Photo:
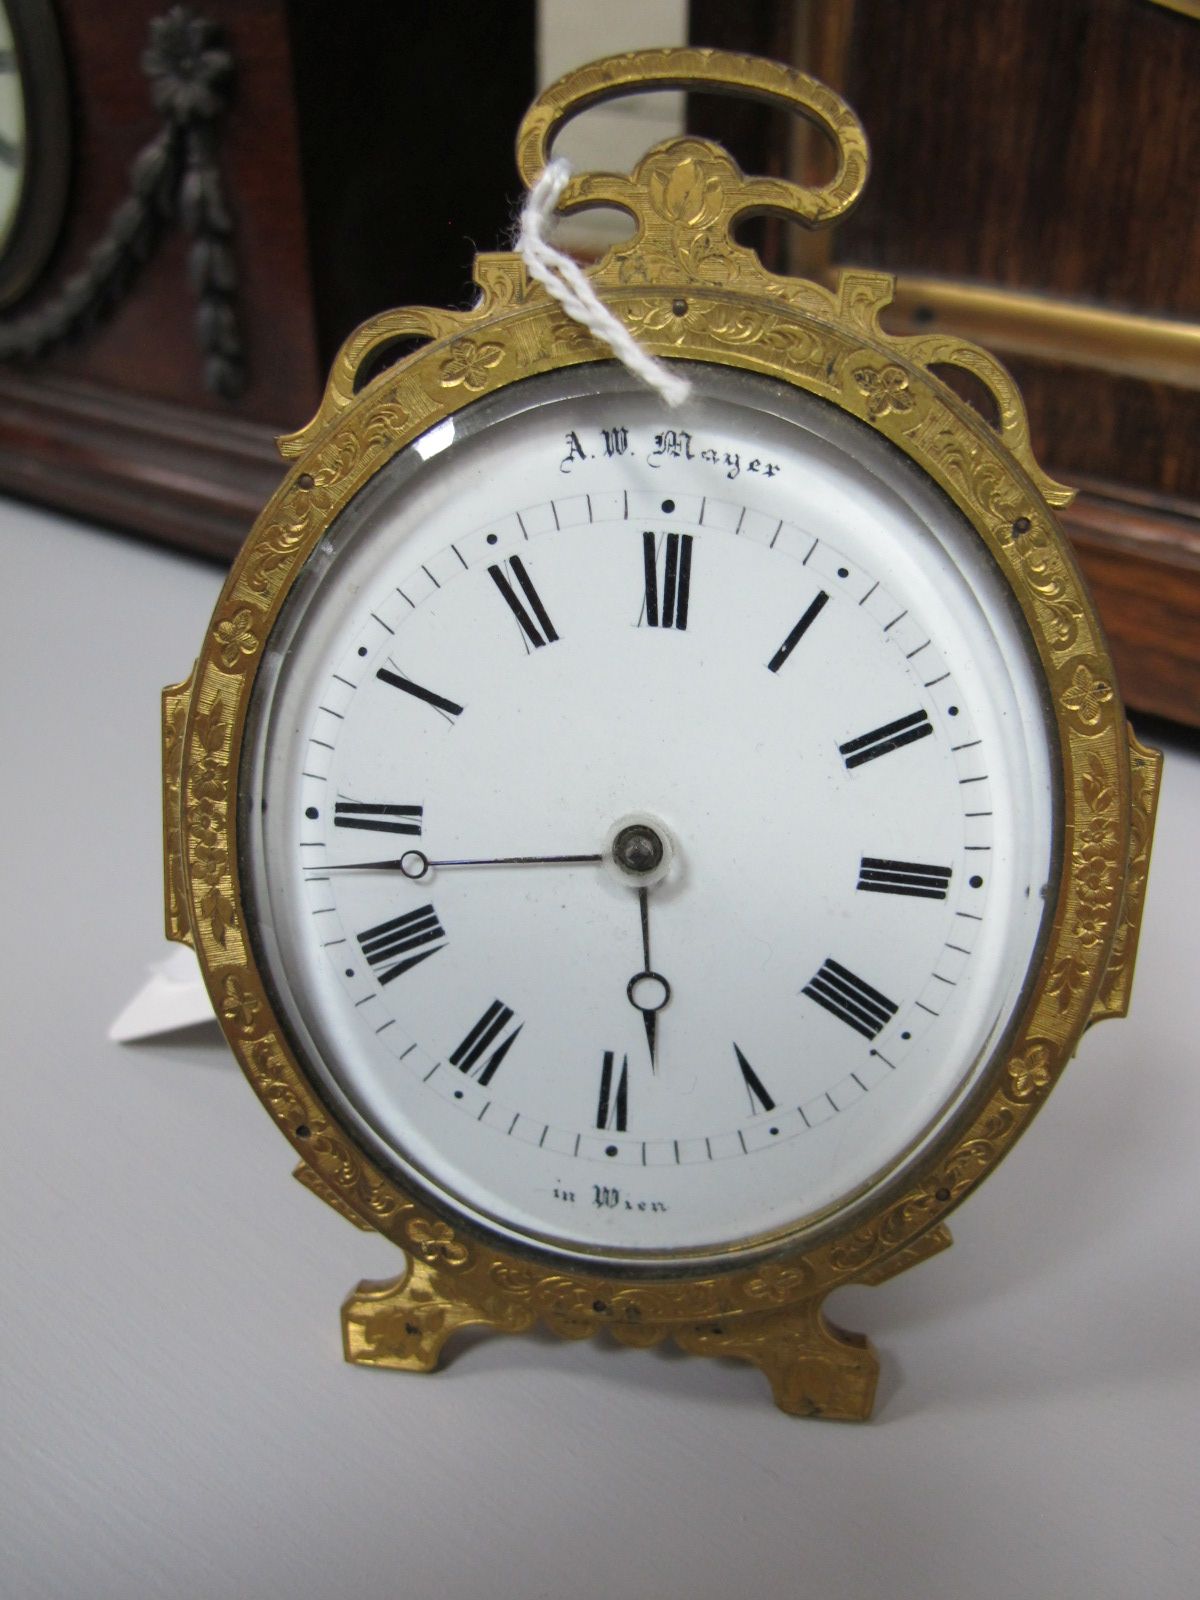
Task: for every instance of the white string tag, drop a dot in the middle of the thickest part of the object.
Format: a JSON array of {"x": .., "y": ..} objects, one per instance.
[{"x": 563, "y": 278}]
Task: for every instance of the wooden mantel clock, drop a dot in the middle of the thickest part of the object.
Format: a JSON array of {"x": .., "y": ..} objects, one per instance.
[{"x": 653, "y": 863}]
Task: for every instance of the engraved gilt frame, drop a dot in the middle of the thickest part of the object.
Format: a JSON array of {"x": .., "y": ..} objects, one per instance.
[{"x": 688, "y": 291}]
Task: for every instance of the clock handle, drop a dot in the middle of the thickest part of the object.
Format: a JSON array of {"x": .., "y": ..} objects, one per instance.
[{"x": 721, "y": 72}]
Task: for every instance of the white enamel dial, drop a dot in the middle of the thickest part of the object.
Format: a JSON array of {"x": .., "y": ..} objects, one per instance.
[{"x": 759, "y": 677}]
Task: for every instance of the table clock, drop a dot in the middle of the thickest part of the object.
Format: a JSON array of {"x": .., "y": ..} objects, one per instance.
[{"x": 653, "y": 862}]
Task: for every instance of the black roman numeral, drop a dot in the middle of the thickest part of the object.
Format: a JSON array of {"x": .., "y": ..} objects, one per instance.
[
  {"x": 850, "y": 999},
  {"x": 377, "y": 818},
  {"x": 471, "y": 1055},
  {"x": 670, "y": 610},
  {"x": 759, "y": 1098},
  {"x": 538, "y": 629},
  {"x": 905, "y": 730},
  {"x": 448, "y": 708},
  {"x": 412, "y": 938},
  {"x": 612, "y": 1109},
  {"x": 879, "y": 876},
  {"x": 798, "y": 632}
]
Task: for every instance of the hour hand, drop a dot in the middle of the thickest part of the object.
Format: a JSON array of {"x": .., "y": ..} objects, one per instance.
[{"x": 648, "y": 990}]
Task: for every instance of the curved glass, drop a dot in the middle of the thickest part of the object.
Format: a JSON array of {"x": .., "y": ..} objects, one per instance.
[{"x": 758, "y": 635}]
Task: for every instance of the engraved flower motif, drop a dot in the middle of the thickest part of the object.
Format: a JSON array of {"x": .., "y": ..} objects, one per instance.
[
  {"x": 469, "y": 364},
  {"x": 1090, "y": 924},
  {"x": 208, "y": 863},
  {"x": 1086, "y": 695},
  {"x": 209, "y": 780},
  {"x": 686, "y": 193},
  {"x": 311, "y": 495},
  {"x": 1029, "y": 1074},
  {"x": 1093, "y": 875},
  {"x": 207, "y": 825},
  {"x": 886, "y": 389},
  {"x": 776, "y": 1283},
  {"x": 235, "y": 638},
  {"x": 186, "y": 70},
  {"x": 238, "y": 1006},
  {"x": 1067, "y": 977},
  {"x": 436, "y": 1241}
]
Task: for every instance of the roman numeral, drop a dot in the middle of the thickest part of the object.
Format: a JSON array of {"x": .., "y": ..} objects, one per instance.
[
  {"x": 879, "y": 876},
  {"x": 905, "y": 730},
  {"x": 470, "y": 1056},
  {"x": 851, "y": 1000},
  {"x": 397, "y": 680},
  {"x": 377, "y": 818},
  {"x": 403, "y": 942},
  {"x": 754, "y": 1085},
  {"x": 612, "y": 1109},
  {"x": 538, "y": 629},
  {"x": 10, "y": 151},
  {"x": 798, "y": 632},
  {"x": 670, "y": 610}
]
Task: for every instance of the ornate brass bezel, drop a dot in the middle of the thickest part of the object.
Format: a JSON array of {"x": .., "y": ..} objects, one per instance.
[{"x": 688, "y": 292}]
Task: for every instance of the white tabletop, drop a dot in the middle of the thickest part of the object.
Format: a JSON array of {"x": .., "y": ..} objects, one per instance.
[{"x": 176, "y": 1418}]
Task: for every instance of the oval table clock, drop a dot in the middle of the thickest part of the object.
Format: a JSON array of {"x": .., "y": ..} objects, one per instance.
[{"x": 653, "y": 863}]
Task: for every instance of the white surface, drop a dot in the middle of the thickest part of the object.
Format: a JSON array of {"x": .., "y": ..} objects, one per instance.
[
  {"x": 172, "y": 997},
  {"x": 176, "y": 1419}
]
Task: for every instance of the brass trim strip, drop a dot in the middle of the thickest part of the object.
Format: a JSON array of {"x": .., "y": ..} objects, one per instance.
[
  {"x": 1039, "y": 325},
  {"x": 1185, "y": 8}
]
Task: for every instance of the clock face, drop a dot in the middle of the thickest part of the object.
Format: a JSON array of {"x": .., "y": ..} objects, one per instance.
[
  {"x": 12, "y": 129},
  {"x": 649, "y": 816}
]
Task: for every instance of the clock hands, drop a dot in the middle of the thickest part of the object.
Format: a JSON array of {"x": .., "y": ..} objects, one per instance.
[
  {"x": 648, "y": 990},
  {"x": 638, "y": 849},
  {"x": 415, "y": 864}
]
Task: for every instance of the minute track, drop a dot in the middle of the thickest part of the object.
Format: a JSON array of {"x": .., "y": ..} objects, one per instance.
[{"x": 616, "y": 722}]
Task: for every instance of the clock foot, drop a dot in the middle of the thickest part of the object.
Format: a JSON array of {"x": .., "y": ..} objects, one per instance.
[
  {"x": 404, "y": 1322},
  {"x": 815, "y": 1369}
]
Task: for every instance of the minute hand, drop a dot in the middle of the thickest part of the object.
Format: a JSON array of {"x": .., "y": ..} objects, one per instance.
[{"x": 415, "y": 859}]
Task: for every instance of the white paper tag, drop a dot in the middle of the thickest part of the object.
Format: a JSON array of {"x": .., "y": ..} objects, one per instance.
[{"x": 173, "y": 997}]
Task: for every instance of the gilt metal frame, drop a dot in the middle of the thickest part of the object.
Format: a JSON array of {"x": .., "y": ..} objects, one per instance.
[{"x": 691, "y": 293}]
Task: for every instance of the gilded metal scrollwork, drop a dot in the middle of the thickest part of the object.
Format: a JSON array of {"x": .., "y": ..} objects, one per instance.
[{"x": 689, "y": 292}]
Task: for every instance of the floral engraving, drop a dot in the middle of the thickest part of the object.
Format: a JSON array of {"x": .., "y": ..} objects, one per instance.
[
  {"x": 886, "y": 389},
  {"x": 239, "y": 1006},
  {"x": 469, "y": 364},
  {"x": 1086, "y": 696},
  {"x": 436, "y": 1242},
  {"x": 208, "y": 819},
  {"x": 686, "y": 193},
  {"x": 1029, "y": 1074},
  {"x": 235, "y": 638}
]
